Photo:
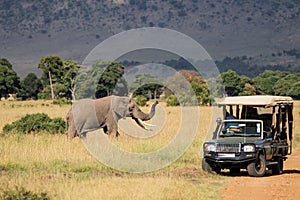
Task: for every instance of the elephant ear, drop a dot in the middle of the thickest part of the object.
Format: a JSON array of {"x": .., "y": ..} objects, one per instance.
[{"x": 119, "y": 105}]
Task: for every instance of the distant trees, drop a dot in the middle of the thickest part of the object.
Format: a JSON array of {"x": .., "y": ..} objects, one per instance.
[
  {"x": 244, "y": 65},
  {"x": 269, "y": 82},
  {"x": 266, "y": 81},
  {"x": 104, "y": 78},
  {"x": 107, "y": 84},
  {"x": 58, "y": 77},
  {"x": 198, "y": 84},
  {"x": 9, "y": 80},
  {"x": 52, "y": 71},
  {"x": 30, "y": 87},
  {"x": 147, "y": 86},
  {"x": 61, "y": 79},
  {"x": 232, "y": 83},
  {"x": 288, "y": 86}
]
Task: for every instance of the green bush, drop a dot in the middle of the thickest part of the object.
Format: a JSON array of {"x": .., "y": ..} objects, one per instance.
[
  {"x": 140, "y": 100},
  {"x": 172, "y": 101},
  {"x": 34, "y": 123},
  {"x": 20, "y": 193},
  {"x": 61, "y": 102}
]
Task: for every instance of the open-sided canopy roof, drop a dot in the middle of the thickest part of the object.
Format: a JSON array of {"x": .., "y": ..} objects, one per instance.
[{"x": 257, "y": 100}]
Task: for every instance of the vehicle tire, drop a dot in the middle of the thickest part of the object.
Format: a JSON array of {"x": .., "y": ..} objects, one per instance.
[
  {"x": 278, "y": 168},
  {"x": 208, "y": 168},
  {"x": 257, "y": 168},
  {"x": 235, "y": 171}
]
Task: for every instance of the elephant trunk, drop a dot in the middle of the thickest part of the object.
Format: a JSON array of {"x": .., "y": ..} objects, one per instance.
[
  {"x": 143, "y": 116},
  {"x": 152, "y": 111}
]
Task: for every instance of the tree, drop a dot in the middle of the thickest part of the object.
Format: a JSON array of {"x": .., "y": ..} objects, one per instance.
[
  {"x": 52, "y": 67},
  {"x": 248, "y": 90},
  {"x": 71, "y": 69},
  {"x": 146, "y": 85},
  {"x": 295, "y": 90},
  {"x": 5, "y": 62},
  {"x": 31, "y": 85},
  {"x": 236, "y": 85},
  {"x": 266, "y": 81},
  {"x": 109, "y": 79},
  {"x": 198, "y": 84},
  {"x": 58, "y": 77},
  {"x": 247, "y": 86},
  {"x": 9, "y": 80},
  {"x": 288, "y": 85},
  {"x": 231, "y": 82},
  {"x": 104, "y": 78}
]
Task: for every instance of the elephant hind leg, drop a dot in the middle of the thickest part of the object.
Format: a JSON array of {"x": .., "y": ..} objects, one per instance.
[{"x": 71, "y": 132}]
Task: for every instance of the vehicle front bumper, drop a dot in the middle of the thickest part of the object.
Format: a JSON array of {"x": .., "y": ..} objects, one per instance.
[{"x": 240, "y": 160}]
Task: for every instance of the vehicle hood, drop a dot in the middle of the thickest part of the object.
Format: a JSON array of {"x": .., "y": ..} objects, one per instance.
[{"x": 236, "y": 140}]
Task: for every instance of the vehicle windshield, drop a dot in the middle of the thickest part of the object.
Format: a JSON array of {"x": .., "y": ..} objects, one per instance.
[{"x": 238, "y": 128}]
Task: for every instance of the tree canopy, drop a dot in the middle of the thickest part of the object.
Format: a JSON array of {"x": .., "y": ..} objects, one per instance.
[
  {"x": 64, "y": 78},
  {"x": 104, "y": 78},
  {"x": 58, "y": 77},
  {"x": 9, "y": 80},
  {"x": 107, "y": 84},
  {"x": 31, "y": 86}
]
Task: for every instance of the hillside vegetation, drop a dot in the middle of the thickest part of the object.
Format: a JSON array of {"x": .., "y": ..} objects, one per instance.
[
  {"x": 261, "y": 30},
  {"x": 29, "y": 17}
]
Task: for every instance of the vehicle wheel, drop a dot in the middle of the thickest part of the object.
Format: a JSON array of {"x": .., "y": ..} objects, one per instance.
[
  {"x": 207, "y": 168},
  {"x": 278, "y": 168},
  {"x": 235, "y": 171},
  {"x": 257, "y": 168}
]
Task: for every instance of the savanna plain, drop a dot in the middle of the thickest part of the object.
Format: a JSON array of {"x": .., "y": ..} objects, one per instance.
[{"x": 63, "y": 169}]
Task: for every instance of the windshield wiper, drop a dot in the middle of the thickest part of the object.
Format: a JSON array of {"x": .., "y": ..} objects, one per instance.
[
  {"x": 231, "y": 134},
  {"x": 228, "y": 134}
]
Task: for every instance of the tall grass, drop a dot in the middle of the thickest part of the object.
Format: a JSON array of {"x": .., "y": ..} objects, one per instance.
[{"x": 65, "y": 170}]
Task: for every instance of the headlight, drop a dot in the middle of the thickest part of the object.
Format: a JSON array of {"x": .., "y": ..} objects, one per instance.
[
  {"x": 209, "y": 147},
  {"x": 249, "y": 148}
]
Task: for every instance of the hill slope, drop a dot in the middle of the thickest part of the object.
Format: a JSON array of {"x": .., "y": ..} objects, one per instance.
[{"x": 31, "y": 29}]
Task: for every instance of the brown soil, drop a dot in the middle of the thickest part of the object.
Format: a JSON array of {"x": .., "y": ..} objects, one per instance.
[{"x": 284, "y": 186}]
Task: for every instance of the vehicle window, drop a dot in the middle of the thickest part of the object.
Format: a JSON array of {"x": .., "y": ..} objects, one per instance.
[{"x": 243, "y": 129}]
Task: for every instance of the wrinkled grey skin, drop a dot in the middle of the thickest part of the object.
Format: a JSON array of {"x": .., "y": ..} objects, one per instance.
[{"x": 88, "y": 115}]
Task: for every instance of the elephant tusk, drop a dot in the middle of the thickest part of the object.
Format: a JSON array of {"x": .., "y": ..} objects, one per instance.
[
  {"x": 147, "y": 124},
  {"x": 143, "y": 124}
]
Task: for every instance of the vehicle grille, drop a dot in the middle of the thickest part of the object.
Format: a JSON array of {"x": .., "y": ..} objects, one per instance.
[{"x": 233, "y": 148}]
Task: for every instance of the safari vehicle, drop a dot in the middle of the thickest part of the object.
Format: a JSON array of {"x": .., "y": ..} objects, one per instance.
[{"x": 255, "y": 134}]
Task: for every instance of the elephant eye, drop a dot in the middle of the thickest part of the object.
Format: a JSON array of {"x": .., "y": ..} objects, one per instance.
[{"x": 130, "y": 108}]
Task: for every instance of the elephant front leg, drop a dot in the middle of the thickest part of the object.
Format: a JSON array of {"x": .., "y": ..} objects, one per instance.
[
  {"x": 112, "y": 126},
  {"x": 112, "y": 130}
]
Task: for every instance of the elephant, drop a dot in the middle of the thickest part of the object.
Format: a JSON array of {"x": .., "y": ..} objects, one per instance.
[{"x": 92, "y": 114}]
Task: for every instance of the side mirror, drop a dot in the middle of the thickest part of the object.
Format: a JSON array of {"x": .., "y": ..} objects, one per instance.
[{"x": 219, "y": 120}]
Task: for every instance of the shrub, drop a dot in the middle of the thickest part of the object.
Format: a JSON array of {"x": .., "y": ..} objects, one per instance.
[
  {"x": 61, "y": 101},
  {"x": 34, "y": 123},
  {"x": 140, "y": 100},
  {"x": 172, "y": 101},
  {"x": 20, "y": 193}
]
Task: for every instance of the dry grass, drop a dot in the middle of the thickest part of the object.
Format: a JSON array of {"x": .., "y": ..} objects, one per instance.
[
  {"x": 297, "y": 125},
  {"x": 65, "y": 170}
]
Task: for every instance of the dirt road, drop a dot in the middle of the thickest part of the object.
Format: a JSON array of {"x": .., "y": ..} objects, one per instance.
[{"x": 284, "y": 186}]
